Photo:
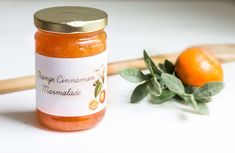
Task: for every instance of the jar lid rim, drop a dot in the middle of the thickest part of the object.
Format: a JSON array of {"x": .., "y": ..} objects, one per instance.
[{"x": 70, "y": 19}]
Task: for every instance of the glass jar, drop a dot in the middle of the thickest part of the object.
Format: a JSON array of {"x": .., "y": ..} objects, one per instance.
[{"x": 70, "y": 67}]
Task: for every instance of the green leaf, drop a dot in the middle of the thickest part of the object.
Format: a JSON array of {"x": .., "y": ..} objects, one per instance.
[
  {"x": 203, "y": 99},
  {"x": 173, "y": 83},
  {"x": 98, "y": 89},
  {"x": 148, "y": 76},
  {"x": 189, "y": 89},
  {"x": 133, "y": 75},
  {"x": 202, "y": 109},
  {"x": 162, "y": 67},
  {"x": 208, "y": 90},
  {"x": 164, "y": 97},
  {"x": 150, "y": 65},
  {"x": 139, "y": 93},
  {"x": 189, "y": 98},
  {"x": 169, "y": 67},
  {"x": 154, "y": 87}
]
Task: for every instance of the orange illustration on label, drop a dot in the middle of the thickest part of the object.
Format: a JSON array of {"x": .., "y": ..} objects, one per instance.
[
  {"x": 93, "y": 104},
  {"x": 102, "y": 96},
  {"x": 99, "y": 91}
]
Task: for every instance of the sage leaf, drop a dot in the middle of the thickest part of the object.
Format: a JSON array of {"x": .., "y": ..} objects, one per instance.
[
  {"x": 164, "y": 97},
  {"x": 169, "y": 67},
  {"x": 202, "y": 109},
  {"x": 150, "y": 65},
  {"x": 139, "y": 93},
  {"x": 154, "y": 87},
  {"x": 203, "y": 99},
  {"x": 173, "y": 83},
  {"x": 148, "y": 76},
  {"x": 97, "y": 89},
  {"x": 208, "y": 90},
  {"x": 162, "y": 67},
  {"x": 133, "y": 75},
  {"x": 189, "y": 98},
  {"x": 189, "y": 89}
]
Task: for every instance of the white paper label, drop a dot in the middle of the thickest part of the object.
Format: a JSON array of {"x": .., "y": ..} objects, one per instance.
[{"x": 71, "y": 86}]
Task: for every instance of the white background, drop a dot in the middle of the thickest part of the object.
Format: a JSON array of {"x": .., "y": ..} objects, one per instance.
[{"x": 162, "y": 26}]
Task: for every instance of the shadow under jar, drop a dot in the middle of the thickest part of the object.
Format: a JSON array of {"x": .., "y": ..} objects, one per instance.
[{"x": 70, "y": 67}]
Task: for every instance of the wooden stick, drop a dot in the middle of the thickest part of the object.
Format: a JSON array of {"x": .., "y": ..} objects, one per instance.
[
  {"x": 225, "y": 53},
  {"x": 17, "y": 84}
]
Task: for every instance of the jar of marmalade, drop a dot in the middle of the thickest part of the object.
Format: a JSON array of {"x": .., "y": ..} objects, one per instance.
[{"x": 70, "y": 67}]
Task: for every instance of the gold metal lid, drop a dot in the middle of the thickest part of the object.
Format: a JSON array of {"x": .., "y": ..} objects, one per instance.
[{"x": 70, "y": 19}]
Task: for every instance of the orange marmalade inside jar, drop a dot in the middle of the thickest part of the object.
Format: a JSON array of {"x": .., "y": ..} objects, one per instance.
[{"x": 70, "y": 67}]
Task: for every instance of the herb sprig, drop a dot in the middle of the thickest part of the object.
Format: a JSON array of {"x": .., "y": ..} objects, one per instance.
[{"x": 162, "y": 84}]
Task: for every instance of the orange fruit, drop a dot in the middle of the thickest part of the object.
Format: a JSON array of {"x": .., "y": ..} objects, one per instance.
[
  {"x": 93, "y": 104},
  {"x": 196, "y": 66},
  {"x": 102, "y": 96}
]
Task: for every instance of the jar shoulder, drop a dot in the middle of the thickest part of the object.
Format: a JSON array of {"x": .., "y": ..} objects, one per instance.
[{"x": 70, "y": 45}]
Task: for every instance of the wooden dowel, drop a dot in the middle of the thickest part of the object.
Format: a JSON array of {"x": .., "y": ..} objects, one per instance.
[
  {"x": 17, "y": 84},
  {"x": 225, "y": 53}
]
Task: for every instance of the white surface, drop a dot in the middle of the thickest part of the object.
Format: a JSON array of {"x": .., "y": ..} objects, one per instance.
[{"x": 157, "y": 26}]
